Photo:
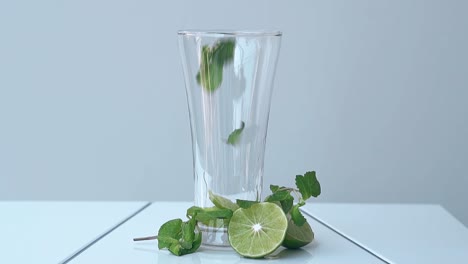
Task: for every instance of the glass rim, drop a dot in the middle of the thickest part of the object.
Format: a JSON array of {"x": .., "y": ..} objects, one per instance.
[{"x": 241, "y": 33}]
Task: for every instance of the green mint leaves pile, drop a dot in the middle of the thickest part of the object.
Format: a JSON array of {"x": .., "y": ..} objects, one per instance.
[
  {"x": 182, "y": 238},
  {"x": 213, "y": 60}
]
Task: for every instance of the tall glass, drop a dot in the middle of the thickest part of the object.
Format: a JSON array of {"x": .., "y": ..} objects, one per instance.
[{"x": 229, "y": 81}]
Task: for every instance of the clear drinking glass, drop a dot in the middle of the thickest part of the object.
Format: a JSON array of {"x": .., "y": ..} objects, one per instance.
[{"x": 229, "y": 81}]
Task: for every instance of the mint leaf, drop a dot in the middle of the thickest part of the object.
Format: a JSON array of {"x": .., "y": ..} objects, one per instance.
[
  {"x": 213, "y": 215},
  {"x": 167, "y": 241},
  {"x": 297, "y": 216},
  {"x": 210, "y": 75},
  {"x": 175, "y": 249},
  {"x": 308, "y": 185},
  {"x": 223, "y": 51},
  {"x": 179, "y": 237},
  {"x": 169, "y": 231},
  {"x": 274, "y": 188},
  {"x": 192, "y": 211},
  {"x": 279, "y": 196},
  {"x": 245, "y": 203},
  {"x": 213, "y": 60},
  {"x": 188, "y": 233},
  {"x": 208, "y": 214},
  {"x": 195, "y": 245},
  {"x": 287, "y": 204},
  {"x": 235, "y": 135}
]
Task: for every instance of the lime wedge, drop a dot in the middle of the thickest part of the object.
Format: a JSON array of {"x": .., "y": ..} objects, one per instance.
[
  {"x": 298, "y": 236},
  {"x": 222, "y": 202},
  {"x": 257, "y": 231}
]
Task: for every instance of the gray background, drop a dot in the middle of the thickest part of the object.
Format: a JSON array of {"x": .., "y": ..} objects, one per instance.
[{"x": 370, "y": 94}]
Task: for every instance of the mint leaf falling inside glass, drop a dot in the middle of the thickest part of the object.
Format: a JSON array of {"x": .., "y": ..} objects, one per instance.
[
  {"x": 234, "y": 137},
  {"x": 213, "y": 60}
]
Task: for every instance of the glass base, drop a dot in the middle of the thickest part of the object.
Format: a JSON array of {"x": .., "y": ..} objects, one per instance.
[{"x": 214, "y": 236}]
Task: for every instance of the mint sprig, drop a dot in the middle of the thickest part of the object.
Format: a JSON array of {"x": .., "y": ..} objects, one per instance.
[
  {"x": 296, "y": 215},
  {"x": 182, "y": 238},
  {"x": 308, "y": 185},
  {"x": 179, "y": 237}
]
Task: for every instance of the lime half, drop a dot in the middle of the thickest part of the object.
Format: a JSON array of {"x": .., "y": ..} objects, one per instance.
[
  {"x": 298, "y": 236},
  {"x": 257, "y": 231}
]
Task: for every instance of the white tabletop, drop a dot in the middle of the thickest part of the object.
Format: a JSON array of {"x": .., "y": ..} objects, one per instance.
[
  {"x": 51, "y": 232},
  {"x": 399, "y": 233},
  {"x": 118, "y": 247}
]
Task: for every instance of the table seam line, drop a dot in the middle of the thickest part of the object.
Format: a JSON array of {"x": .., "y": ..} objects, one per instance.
[
  {"x": 101, "y": 236},
  {"x": 368, "y": 250}
]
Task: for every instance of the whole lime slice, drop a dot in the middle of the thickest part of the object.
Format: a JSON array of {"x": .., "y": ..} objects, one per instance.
[
  {"x": 257, "y": 231},
  {"x": 298, "y": 236}
]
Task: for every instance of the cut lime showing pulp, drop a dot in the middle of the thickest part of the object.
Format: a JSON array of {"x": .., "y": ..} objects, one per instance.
[
  {"x": 257, "y": 231},
  {"x": 298, "y": 236}
]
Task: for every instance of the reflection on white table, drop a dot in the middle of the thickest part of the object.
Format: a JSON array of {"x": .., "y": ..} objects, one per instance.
[
  {"x": 50, "y": 232},
  {"x": 399, "y": 233},
  {"x": 118, "y": 247}
]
